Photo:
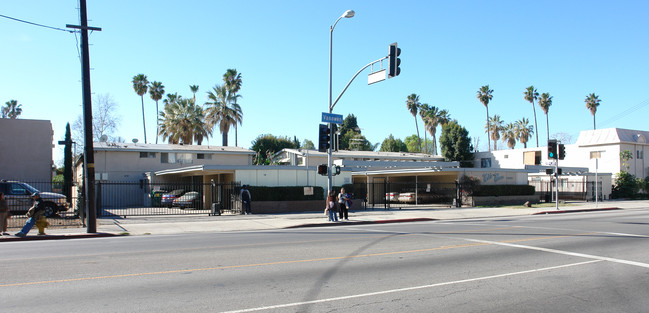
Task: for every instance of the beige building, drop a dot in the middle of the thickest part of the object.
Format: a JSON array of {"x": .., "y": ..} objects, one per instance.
[{"x": 26, "y": 150}]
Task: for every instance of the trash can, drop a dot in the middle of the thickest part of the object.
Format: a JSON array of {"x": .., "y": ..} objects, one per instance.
[{"x": 156, "y": 198}]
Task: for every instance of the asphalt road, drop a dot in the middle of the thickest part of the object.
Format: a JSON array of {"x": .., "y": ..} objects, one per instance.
[{"x": 580, "y": 262}]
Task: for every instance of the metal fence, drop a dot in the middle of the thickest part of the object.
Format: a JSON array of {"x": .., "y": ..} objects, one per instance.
[
  {"x": 579, "y": 191},
  {"x": 178, "y": 198},
  {"x": 386, "y": 195},
  {"x": 61, "y": 210}
]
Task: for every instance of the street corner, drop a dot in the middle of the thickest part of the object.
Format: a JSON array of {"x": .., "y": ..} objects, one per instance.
[{"x": 576, "y": 210}]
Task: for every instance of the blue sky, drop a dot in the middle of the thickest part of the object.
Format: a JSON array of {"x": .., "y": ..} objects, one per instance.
[{"x": 449, "y": 49}]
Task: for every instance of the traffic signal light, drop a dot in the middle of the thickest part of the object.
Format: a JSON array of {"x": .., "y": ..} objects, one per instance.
[
  {"x": 562, "y": 151},
  {"x": 394, "y": 61},
  {"x": 322, "y": 169},
  {"x": 323, "y": 138},
  {"x": 337, "y": 170},
  {"x": 552, "y": 149}
]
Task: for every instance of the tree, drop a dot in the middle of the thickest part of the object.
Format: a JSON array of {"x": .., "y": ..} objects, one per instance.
[
  {"x": 509, "y": 135},
  {"x": 156, "y": 91},
  {"x": 545, "y": 101},
  {"x": 12, "y": 109},
  {"x": 494, "y": 126},
  {"x": 67, "y": 164},
  {"x": 413, "y": 105},
  {"x": 393, "y": 145},
  {"x": 485, "y": 95},
  {"x": 308, "y": 144},
  {"x": 183, "y": 121},
  {"x": 233, "y": 81},
  {"x": 268, "y": 145},
  {"x": 219, "y": 111},
  {"x": 456, "y": 144},
  {"x": 524, "y": 130},
  {"x": 194, "y": 89},
  {"x": 105, "y": 121},
  {"x": 350, "y": 123},
  {"x": 592, "y": 102},
  {"x": 530, "y": 95},
  {"x": 140, "y": 85},
  {"x": 625, "y": 156},
  {"x": 432, "y": 117}
]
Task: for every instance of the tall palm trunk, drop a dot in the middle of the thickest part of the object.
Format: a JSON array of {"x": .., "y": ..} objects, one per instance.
[
  {"x": 594, "y": 128},
  {"x": 488, "y": 130},
  {"x": 143, "y": 120},
  {"x": 236, "y": 139},
  {"x": 418, "y": 137},
  {"x": 536, "y": 126},
  {"x": 225, "y": 139},
  {"x": 547, "y": 125},
  {"x": 157, "y": 123}
]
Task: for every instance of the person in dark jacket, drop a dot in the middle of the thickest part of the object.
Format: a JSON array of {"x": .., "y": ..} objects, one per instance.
[
  {"x": 4, "y": 214},
  {"x": 36, "y": 212},
  {"x": 245, "y": 199}
]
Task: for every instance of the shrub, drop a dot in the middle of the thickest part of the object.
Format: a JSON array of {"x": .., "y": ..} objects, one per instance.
[
  {"x": 284, "y": 193},
  {"x": 504, "y": 190}
]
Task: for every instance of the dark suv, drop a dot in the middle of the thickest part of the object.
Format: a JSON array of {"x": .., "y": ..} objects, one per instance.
[{"x": 18, "y": 196}]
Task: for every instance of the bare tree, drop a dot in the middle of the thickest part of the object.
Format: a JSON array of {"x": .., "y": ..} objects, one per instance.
[{"x": 104, "y": 121}]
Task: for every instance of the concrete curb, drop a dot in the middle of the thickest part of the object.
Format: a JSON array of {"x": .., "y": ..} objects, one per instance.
[
  {"x": 575, "y": 211},
  {"x": 330, "y": 224},
  {"x": 55, "y": 237}
]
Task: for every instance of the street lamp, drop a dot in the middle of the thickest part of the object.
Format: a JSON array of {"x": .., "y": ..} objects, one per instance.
[{"x": 347, "y": 14}]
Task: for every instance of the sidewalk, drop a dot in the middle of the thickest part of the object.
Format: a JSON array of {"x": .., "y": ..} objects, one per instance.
[{"x": 164, "y": 225}]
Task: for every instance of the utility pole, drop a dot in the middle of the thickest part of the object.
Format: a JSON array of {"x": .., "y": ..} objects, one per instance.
[{"x": 89, "y": 154}]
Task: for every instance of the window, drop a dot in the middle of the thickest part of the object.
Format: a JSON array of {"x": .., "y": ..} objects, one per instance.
[
  {"x": 181, "y": 158},
  {"x": 485, "y": 162},
  {"x": 203, "y": 156},
  {"x": 147, "y": 155},
  {"x": 639, "y": 154}
]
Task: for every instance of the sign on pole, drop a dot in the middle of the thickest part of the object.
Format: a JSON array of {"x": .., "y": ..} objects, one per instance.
[{"x": 332, "y": 118}]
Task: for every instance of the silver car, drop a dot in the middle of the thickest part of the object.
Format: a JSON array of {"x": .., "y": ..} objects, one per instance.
[{"x": 18, "y": 196}]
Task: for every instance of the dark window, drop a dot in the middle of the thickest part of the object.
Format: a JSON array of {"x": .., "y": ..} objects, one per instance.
[{"x": 485, "y": 162}]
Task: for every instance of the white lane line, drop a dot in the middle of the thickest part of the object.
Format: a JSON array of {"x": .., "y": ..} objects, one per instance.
[
  {"x": 548, "y": 228},
  {"x": 582, "y": 255},
  {"x": 369, "y": 294}
]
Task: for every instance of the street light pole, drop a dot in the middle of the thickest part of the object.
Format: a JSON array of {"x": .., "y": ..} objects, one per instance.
[{"x": 347, "y": 14}]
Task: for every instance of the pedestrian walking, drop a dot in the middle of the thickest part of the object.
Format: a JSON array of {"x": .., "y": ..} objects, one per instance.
[
  {"x": 4, "y": 214},
  {"x": 35, "y": 213},
  {"x": 343, "y": 209},
  {"x": 331, "y": 206},
  {"x": 245, "y": 199}
]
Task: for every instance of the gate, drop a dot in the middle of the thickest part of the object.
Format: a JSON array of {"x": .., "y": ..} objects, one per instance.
[
  {"x": 381, "y": 194},
  {"x": 170, "y": 198}
]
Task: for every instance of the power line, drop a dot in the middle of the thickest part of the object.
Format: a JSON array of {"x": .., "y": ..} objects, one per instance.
[
  {"x": 36, "y": 24},
  {"x": 626, "y": 112}
]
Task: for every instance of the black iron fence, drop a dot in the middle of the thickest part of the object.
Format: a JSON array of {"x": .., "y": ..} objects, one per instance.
[
  {"x": 388, "y": 194},
  {"x": 178, "y": 198},
  {"x": 60, "y": 206},
  {"x": 578, "y": 191}
]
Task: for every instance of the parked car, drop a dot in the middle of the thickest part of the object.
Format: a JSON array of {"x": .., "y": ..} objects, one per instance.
[
  {"x": 18, "y": 196},
  {"x": 169, "y": 197},
  {"x": 409, "y": 197},
  {"x": 392, "y": 196},
  {"x": 188, "y": 200}
]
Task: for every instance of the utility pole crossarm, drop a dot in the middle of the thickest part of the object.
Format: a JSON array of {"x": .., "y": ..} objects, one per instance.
[{"x": 351, "y": 80}]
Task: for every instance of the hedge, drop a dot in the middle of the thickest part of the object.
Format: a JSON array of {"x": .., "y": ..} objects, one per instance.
[
  {"x": 284, "y": 193},
  {"x": 504, "y": 190}
]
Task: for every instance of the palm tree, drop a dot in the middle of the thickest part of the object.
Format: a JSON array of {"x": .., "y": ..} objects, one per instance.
[
  {"x": 424, "y": 110},
  {"x": 182, "y": 121},
  {"x": 194, "y": 89},
  {"x": 494, "y": 126},
  {"x": 509, "y": 135},
  {"x": 141, "y": 85},
  {"x": 233, "y": 81},
  {"x": 156, "y": 91},
  {"x": 545, "y": 101},
  {"x": 592, "y": 102},
  {"x": 432, "y": 118},
  {"x": 524, "y": 130},
  {"x": 485, "y": 95},
  {"x": 220, "y": 112},
  {"x": 12, "y": 109},
  {"x": 413, "y": 106},
  {"x": 530, "y": 95}
]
